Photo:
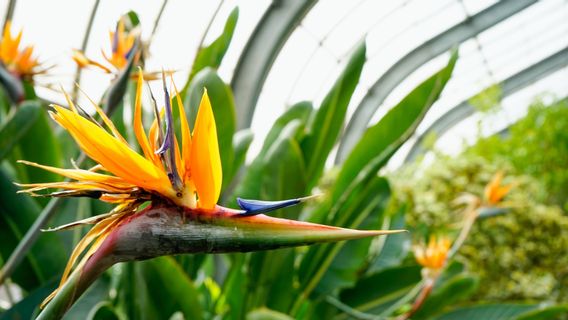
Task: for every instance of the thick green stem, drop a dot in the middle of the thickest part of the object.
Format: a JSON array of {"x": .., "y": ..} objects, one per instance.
[
  {"x": 163, "y": 229},
  {"x": 78, "y": 282}
]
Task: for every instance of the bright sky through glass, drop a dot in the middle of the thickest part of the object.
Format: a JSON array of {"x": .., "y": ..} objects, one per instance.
[{"x": 317, "y": 50}]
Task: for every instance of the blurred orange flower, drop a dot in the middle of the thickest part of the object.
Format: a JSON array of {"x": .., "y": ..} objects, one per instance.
[
  {"x": 20, "y": 62},
  {"x": 434, "y": 255},
  {"x": 495, "y": 191}
]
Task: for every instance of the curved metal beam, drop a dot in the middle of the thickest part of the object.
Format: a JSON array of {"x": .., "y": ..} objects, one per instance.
[
  {"x": 262, "y": 48},
  {"x": 509, "y": 86},
  {"x": 470, "y": 27}
]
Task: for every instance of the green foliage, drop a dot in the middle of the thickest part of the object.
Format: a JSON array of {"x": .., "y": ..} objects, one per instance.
[
  {"x": 495, "y": 312},
  {"x": 537, "y": 145},
  {"x": 17, "y": 213},
  {"x": 487, "y": 100},
  {"x": 212, "y": 55},
  {"x": 381, "y": 140},
  {"x": 363, "y": 278},
  {"x": 325, "y": 126},
  {"x": 493, "y": 247}
]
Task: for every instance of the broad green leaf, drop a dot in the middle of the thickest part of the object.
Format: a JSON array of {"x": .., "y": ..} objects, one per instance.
[
  {"x": 504, "y": 311},
  {"x": 283, "y": 178},
  {"x": 11, "y": 85},
  {"x": 5, "y": 105},
  {"x": 284, "y": 169},
  {"x": 170, "y": 289},
  {"x": 223, "y": 105},
  {"x": 98, "y": 292},
  {"x": 103, "y": 311},
  {"x": 545, "y": 312},
  {"x": 376, "y": 292},
  {"x": 250, "y": 186},
  {"x": 16, "y": 125},
  {"x": 325, "y": 127},
  {"x": 241, "y": 143},
  {"x": 29, "y": 305},
  {"x": 451, "y": 292},
  {"x": 17, "y": 213},
  {"x": 235, "y": 285},
  {"x": 212, "y": 55},
  {"x": 40, "y": 145},
  {"x": 266, "y": 314},
  {"x": 300, "y": 111},
  {"x": 381, "y": 140},
  {"x": 395, "y": 247},
  {"x": 131, "y": 296},
  {"x": 351, "y": 258},
  {"x": 349, "y": 214}
]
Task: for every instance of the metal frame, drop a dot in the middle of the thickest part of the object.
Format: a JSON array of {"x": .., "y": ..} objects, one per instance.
[
  {"x": 262, "y": 48},
  {"x": 469, "y": 28},
  {"x": 509, "y": 86}
]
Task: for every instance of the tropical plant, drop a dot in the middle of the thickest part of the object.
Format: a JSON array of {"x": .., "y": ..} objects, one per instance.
[
  {"x": 519, "y": 242},
  {"x": 365, "y": 278}
]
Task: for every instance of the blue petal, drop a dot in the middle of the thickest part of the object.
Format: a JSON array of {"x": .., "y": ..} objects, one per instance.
[{"x": 253, "y": 207}]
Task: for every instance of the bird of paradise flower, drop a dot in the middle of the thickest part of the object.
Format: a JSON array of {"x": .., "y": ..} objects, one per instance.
[
  {"x": 18, "y": 61},
  {"x": 184, "y": 180}
]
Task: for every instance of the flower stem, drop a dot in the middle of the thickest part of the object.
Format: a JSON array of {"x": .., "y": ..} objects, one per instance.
[{"x": 74, "y": 287}]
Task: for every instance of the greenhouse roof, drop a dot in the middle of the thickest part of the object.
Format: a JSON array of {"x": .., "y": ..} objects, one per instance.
[{"x": 287, "y": 51}]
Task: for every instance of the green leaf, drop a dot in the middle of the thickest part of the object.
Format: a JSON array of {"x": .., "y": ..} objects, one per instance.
[
  {"x": 29, "y": 305},
  {"x": 241, "y": 143},
  {"x": 504, "y": 311},
  {"x": 170, "y": 289},
  {"x": 283, "y": 178},
  {"x": 40, "y": 145},
  {"x": 300, "y": 111},
  {"x": 212, "y": 55},
  {"x": 284, "y": 169},
  {"x": 267, "y": 314},
  {"x": 132, "y": 18},
  {"x": 223, "y": 105},
  {"x": 351, "y": 258},
  {"x": 17, "y": 213},
  {"x": 325, "y": 127},
  {"x": 236, "y": 283},
  {"x": 395, "y": 247},
  {"x": 88, "y": 302},
  {"x": 16, "y": 125},
  {"x": 362, "y": 202},
  {"x": 381, "y": 140},
  {"x": 455, "y": 290},
  {"x": 376, "y": 292},
  {"x": 545, "y": 312},
  {"x": 11, "y": 85},
  {"x": 103, "y": 311},
  {"x": 250, "y": 186}
]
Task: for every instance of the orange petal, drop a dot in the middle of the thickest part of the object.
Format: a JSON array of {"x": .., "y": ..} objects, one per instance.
[
  {"x": 185, "y": 135},
  {"x": 82, "y": 175},
  {"x": 205, "y": 159},
  {"x": 116, "y": 156},
  {"x": 138, "y": 127}
]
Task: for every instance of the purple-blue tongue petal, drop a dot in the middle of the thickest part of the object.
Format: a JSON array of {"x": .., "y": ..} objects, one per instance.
[{"x": 254, "y": 207}]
